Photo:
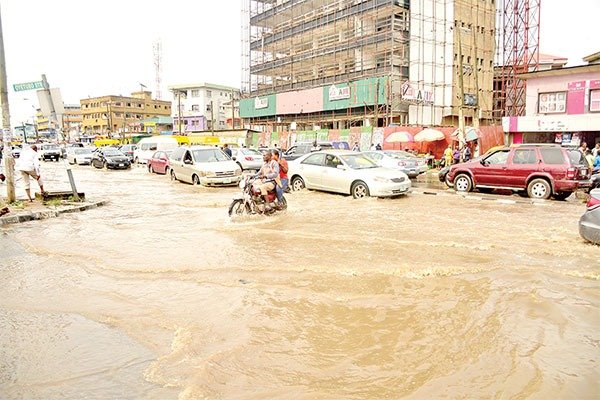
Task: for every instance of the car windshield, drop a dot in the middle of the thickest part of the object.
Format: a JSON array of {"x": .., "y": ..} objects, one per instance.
[
  {"x": 399, "y": 154},
  {"x": 250, "y": 152},
  {"x": 50, "y": 147},
  {"x": 83, "y": 151},
  {"x": 209, "y": 155},
  {"x": 576, "y": 157},
  {"x": 358, "y": 161},
  {"x": 112, "y": 152}
]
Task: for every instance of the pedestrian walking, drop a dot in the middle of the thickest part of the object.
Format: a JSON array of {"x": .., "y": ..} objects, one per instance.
[
  {"x": 356, "y": 147},
  {"x": 466, "y": 154},
  {"x": 29, "y": 166},
  {"x": 378, "y": 146}
]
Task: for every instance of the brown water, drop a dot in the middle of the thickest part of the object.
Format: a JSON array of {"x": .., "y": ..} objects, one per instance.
[{"x": 159, "y": 295}]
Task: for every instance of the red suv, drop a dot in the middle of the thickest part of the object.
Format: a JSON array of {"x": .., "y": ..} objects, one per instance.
[{"x": 540, "y": 171}]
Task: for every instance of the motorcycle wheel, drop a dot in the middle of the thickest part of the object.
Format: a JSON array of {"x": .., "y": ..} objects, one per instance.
[
  {"x": 236, "y": 207},
  {"x": 283, "y": 203}
]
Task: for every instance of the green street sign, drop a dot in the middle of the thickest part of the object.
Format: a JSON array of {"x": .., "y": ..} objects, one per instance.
[{"x": 19, "y": 87}]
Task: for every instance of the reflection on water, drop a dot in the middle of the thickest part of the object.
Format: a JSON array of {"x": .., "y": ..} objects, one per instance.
[{"x": 160, "y": 295}]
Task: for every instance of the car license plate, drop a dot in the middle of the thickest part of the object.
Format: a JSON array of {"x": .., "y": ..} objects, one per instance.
[
  {"x": 121, "y": 165},
  {"x": 227, "y": 180}
]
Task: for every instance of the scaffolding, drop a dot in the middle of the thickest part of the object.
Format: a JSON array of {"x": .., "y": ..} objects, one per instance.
[{"x": 291, "y": 45}]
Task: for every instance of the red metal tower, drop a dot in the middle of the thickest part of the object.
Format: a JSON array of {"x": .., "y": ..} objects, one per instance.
[{"x": 520, "y": 50}]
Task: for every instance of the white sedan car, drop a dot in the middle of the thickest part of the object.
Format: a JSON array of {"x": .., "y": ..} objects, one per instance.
[
  {"x": 400, "y": 160},
  {"x": 346, "y": 172},
  {"x": 247, "y": 158},
  {"x": 79, "y": 155}
]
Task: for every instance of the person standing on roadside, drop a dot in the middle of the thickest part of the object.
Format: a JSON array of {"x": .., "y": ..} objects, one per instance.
[
  {"x": 356, "y": 147},
  {"x": 456, "y": 155},
  {"x": 227, "y": 150},
  {"x": 283, "y": 169},
  {"x": 448, "y": 156},
  {"x": 596, "y": 150},
  {"x": 467, "y": 154},
  {"x": 29, "y": 165}
]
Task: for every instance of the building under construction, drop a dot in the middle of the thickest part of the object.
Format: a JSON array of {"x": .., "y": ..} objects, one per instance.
[{"x": 345, "y": 63}]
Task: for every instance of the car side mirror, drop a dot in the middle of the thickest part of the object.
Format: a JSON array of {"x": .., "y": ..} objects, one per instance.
[
  {"x": 233, "y": 158},
  {"x": 342, "y": 167},
  {"x": 483, "y": 162}
]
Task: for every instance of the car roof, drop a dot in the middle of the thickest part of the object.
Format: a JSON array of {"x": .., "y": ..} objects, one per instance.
[
  {"x": 201, "y": 147},
  {"x": 335, "y": 152}
]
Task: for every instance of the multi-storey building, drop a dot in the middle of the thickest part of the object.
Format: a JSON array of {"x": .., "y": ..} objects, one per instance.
[
  {"x": 120, "y": 115},
  {"x": 562, "y": 105},
  {"x": 343, "y": 63},
  {"x": 204, "y": 106},
  {"x": 70, "y": 121}
]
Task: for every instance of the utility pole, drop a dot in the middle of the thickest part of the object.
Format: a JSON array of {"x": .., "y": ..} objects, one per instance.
[
  {"x": 9, "y": 161},
  {"x": 461, "y": 91},
  {"x": 212, "y": 119}
]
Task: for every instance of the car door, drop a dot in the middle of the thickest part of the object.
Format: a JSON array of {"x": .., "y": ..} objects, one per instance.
[
  {"x": 334, "y": 179},
  {"x": 311, "y": 170},
  {"x": 522, "y": 164},
  {"x": 177, "y": 162},
  {"x": 554, "y": 162},
  {"x": 492, "y": 169}
]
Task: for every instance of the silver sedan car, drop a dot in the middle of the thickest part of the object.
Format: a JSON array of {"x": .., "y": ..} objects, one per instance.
[
  {"x": 79, "y": 155},
  {"x": 247, "y": 158},
  {"x": 400, "y": 160},
  {"x": 346, "y": 172}
]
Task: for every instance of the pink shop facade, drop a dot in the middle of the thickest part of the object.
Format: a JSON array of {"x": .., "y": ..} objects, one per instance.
[{"x": 562, "y": 106}]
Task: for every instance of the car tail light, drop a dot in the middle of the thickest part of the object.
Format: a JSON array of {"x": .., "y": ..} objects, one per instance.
[
  {"x": 248, "y": 158},
  {"x": 571, "y": 173},
  {"x": 401, "y": 163},
  {"x": 593, "y": 202}
]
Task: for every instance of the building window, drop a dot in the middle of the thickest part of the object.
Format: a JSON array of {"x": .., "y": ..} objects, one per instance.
[
  {"x": 195, "y": 93},
  {"x": 552, "y": 102},
  {"x": 195, "y": 107},
  {"x": 208, "y": 94},
  {"x": 595, "y": 100}
]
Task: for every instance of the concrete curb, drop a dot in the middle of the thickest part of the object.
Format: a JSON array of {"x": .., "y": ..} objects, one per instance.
[
  {"x": 31, "y": 216},
  {"x": 475, "y": 197}
]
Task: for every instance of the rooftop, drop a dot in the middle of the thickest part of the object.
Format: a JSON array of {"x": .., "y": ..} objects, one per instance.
[{"x": 202, "y": 85}]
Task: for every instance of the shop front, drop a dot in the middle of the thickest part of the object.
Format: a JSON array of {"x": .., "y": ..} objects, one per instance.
[{"x": 566, "y": 130}]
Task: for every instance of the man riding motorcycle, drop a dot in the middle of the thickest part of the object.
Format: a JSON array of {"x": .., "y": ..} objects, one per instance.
[{"x": 268, "y": 174}]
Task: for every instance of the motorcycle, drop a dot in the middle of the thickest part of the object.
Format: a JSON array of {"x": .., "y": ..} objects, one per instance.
[{"x": 252, "y": 202}]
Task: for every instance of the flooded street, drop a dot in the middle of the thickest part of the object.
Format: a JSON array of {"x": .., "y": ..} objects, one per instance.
[{"x": 159, "y": 295}]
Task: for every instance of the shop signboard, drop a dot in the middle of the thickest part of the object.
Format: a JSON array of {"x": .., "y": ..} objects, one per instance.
[
  {"x": 339, "y": 93},
  {"x": 552, "y": 103},
  {"x": 261, "y": 103}
]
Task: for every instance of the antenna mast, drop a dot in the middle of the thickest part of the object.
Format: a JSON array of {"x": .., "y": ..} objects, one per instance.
[{"x": 157, "y": 67}]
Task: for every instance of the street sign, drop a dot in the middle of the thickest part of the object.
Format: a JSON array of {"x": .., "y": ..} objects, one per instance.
[{"x": 19, "y": 87}]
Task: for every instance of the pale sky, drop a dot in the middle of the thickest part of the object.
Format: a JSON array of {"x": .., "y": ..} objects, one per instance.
[{"x": 98, "y": 47}]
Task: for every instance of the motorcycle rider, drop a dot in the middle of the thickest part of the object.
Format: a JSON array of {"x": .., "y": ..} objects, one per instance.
[
  {"x": 283, "y": 168},
  {"x": 268, "y": 173}
]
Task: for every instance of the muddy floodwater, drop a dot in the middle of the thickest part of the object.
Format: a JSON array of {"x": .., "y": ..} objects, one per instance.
[{"x": 159, "y": 295}]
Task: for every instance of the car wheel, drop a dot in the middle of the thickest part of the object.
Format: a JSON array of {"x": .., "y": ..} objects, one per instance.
[
  {"x": 166, "y": 170},
  {"x": 359, "y": 190},
  {"x": 463, "y": 183},
  {"x": 561, "y": 196},
  {"x": 195, "y": 179},
  {"x": 105, "y": 165},
  {"x": 539, "y": 189},
  {"x": 173, "y": 177},
  {"x": 136, "y": 161},
  {"x": 297, "y": 183},
  {"x": 74, "y": 161},
  {"x": 447, "y": 181},
  {"x": 240, "y": 165},
  {"x": 150, "y": 169}
]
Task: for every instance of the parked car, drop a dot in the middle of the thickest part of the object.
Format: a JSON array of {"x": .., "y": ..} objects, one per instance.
[
  {"x": 247, "y": 158},
  {"x": 147, "y": 146},
  {"x": 300, "y": 149},
  {"x": 400, "y": 160},
  {"x": 108, "y": 157},
  {"x": 204, "y": 165},
  {"x": 64, "y": 149},
  {"x": 49, "y": 151},
  {"x": 589, "y": 223},
  {"x": 159, "y": 162},
  {"x": 536, "y": 170},
  {"x": 79, "y": 155},
  {"x": 346, "y": 172},
  {"x": 16, "y": 151},
  {"x": 128, "y": 150}
]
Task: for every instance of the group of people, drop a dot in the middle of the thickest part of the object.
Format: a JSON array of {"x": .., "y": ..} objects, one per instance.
[
  {"x": 456, "y": 155},
  {"x": 592, "y": 156},
  {"x": 273, "y": 175}
]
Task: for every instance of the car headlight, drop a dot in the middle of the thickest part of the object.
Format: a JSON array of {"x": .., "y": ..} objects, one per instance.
[
  {"x": 382, "y": 179},
  {"x": 210, "y": 174},
  {"x": 238, "y": 171}
]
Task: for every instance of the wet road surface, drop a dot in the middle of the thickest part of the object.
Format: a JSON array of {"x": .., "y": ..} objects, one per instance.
[{"x": 159, "y": 295}]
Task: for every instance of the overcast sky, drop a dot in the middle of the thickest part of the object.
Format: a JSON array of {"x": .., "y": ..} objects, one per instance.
[{"x": 97, "y": 47}]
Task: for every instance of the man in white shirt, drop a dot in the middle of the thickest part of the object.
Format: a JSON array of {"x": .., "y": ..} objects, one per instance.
[{"x": 29, "y": 165}]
